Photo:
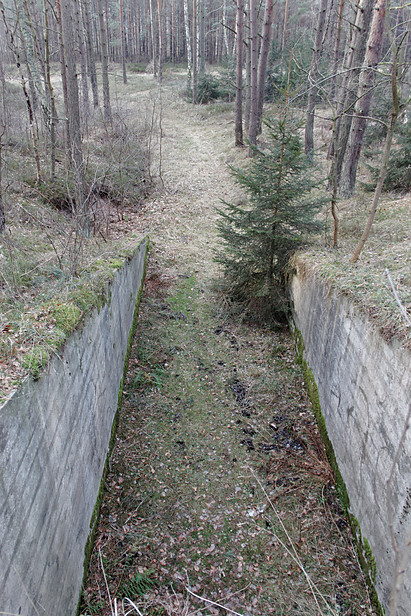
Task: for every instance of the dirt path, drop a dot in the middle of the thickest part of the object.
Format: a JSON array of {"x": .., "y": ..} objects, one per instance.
[{"x": 218, "y": 484}]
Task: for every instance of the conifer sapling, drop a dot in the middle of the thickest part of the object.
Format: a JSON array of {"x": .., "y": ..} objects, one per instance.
[{"x": 281, "y": 213}]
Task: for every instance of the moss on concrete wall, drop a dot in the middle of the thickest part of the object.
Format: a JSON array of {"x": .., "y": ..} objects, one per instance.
[
  {"x": 364, "y": 551},
  {"x": 96, "y": 513}
]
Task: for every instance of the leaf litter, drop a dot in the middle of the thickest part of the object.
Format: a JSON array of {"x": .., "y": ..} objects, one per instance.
[{"x": 219, "y": 497}]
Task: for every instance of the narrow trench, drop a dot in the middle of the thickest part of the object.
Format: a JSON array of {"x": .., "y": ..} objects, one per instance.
[
  {"x": 219, "y": 484},
  {"x": 219, "y": 497}
]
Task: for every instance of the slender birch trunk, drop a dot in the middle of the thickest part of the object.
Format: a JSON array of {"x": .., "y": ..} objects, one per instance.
[
  {"x": 83, "y": 60},
  {"x": 225, "y": 32},
  {"x": 53, "y": 111},
  {"x": 201, "y": 38},
  {"x": 153, "y": 39},
  {"x": 188, "y": 41}
]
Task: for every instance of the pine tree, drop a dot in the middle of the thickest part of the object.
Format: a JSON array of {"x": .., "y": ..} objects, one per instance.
[{"x": 260, "y": 236}]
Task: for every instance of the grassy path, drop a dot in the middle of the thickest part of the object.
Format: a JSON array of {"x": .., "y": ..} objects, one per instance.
[{"x": 219, "y": 486}]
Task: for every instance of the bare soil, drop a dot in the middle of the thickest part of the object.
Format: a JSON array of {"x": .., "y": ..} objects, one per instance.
[{"x": 219, "y": 497}]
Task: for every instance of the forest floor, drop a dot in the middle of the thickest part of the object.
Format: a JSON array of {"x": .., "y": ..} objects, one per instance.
[{"x": 219, "y": 492}]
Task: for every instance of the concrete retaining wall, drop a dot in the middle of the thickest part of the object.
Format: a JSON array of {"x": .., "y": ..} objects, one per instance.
[
  {"x": 364, "y": 387},
  {"x": 54, "y": 440}
]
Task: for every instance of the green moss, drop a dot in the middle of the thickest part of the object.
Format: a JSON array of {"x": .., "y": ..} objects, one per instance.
[
  {"x": 365, "y": 554},
  {"x": 315, "y": 401},
  {"x": 367, "y": 562},
  {"x": 369, "y": 557},
  {"x": 96, "y": 512},
  {"x": 66, "y": 315},
  {"x": 35, "y": 360},
  {"x": 86, "y": 297},
  {"x": 110, "y": 266}
]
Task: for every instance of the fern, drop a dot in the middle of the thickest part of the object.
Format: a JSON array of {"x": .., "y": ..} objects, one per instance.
[{"x": 138, "y": 585}]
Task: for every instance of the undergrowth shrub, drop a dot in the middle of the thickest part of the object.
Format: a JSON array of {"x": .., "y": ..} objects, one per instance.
[{"x": 213, "y": 87}]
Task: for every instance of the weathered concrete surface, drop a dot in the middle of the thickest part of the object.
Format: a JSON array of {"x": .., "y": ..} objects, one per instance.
[
  {"x": 54, "y": 439},
  {"x": 364, "y": 387}
]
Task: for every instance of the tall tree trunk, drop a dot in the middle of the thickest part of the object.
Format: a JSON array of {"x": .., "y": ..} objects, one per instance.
[
  {"x": 76, "y": 151},
  {"x": 3, "y": 125},
  {"x": 28, "y": 60},
  {"x": 83, "y": 60},
  {"x": 123, "y": 43},
  {"x": 2, "y": 215},
  {"x": 337, "y": 50},
  {"x": 239, "y": 76},
  {"x": 396, "y": 99},
  {"x": 353, "y": 60},
  {"x": 91, "y": 63},
  {"x": 252, "y": 133},
  {"x": 225, "y": 30},
  {"x": 160, "y": 41},
  {"x": 364, "y": 96},
  {"x": 63, "y": 75},
  {"x": 247, "y": 72},
  {"x": 104, "y": 63},
  {"x": 188, "y": 41},
  {"x": 30, "y": 111},
  {"x": 313, "y": 76},
  {"x": 195, "y": 53},
  {"x": 53, "y": 111},
  {"x": 34, "y": 48},
  {"x": 201, "y": 38},
  {"x": 153, "y": 39},
  {"x": 262, "y": 62}
]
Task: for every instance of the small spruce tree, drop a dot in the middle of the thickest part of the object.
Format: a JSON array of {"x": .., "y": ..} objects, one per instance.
[{"x": 260, "y": 236}]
